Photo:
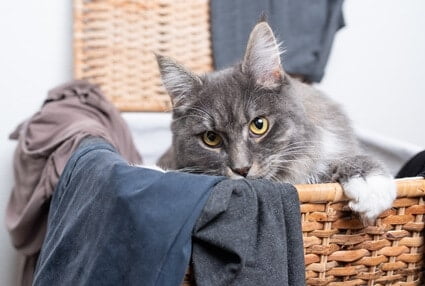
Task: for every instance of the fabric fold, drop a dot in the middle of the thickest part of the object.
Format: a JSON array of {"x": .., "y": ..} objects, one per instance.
[
  {"x": 249, "y": 233},
  {"x": 111, "y": 223}
]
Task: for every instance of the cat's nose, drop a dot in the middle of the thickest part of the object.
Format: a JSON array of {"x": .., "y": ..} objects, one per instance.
[{"x": 242, "y": 171}]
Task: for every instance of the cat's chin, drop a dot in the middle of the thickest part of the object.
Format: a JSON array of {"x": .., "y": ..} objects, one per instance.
[
  {"x": 236, "y": 177},
  {"x": 232, "y": 175},
  {"x": 239, "y": 177}
]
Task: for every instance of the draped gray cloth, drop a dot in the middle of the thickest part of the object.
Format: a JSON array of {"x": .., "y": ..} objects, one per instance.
[
  {"x": 306, "y": 27},
  {"x": 249, "y": 233}
]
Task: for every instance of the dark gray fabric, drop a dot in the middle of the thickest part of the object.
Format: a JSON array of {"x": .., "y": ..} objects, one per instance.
[
  {"x": 415, "y": 167},
  {"x": 114, "y": 224},
  {"x": 306, "y": 27},
  {"x": 249, "y": 233}
]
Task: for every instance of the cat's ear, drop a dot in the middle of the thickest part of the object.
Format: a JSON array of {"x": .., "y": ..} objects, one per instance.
[
  {"x": 178, "y": 81},
  {"x": 262, "y": 57}
]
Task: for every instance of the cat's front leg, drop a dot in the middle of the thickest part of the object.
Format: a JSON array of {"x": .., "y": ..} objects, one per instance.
[{"x": 370, "y": 188}]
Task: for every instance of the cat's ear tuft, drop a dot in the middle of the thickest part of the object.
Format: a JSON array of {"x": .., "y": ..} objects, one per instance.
[
  {"x": 179, "y": 82},
  {"x": 263, "y": 17},
  {"x": 262, "y": 57}
]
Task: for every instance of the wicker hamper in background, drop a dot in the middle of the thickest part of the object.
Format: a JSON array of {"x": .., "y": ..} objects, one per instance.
[{"x": 114, "y": 42}]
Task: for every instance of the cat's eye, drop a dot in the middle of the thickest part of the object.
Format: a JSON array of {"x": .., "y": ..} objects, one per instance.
[
  {"x": 259, "y": 126},
  {"x": 211, "y": 139}
]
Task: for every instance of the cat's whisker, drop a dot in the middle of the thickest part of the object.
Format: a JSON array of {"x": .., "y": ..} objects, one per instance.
[
  {"x": 283, "y": 165},
  {"x": 191, "y": 115},
  {"x": 297, "y": 152},
  {"x": 273, "y": 178},
  {"x": 202, "y": 112},
  {"x": 286, "y": 168},
  {"x": 197, "y": 113},
  {"x": 283, "y": 158},
  {"x": 308, "y": 151},
  {"x": 298, "y": 146},
  {"x": 304, "y": 141}
]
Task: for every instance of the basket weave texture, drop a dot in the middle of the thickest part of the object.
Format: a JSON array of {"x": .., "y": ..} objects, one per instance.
[
  {"x": 340, "y": 251},
  {"x": 115, "y": 42}
]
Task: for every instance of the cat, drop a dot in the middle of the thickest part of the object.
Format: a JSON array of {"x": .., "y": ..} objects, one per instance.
[{"x": 253, "y": 120}]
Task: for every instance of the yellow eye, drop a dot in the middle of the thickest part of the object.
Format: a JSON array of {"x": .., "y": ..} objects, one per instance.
[
  {"x": 211, "y": 139},
  {"x": 259, "y": 126}
]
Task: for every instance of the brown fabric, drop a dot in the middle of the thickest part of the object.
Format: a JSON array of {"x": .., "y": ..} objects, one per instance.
[{"x": 70, "y": 113}]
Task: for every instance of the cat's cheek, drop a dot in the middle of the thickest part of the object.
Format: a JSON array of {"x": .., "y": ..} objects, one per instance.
[{"x": 370, "y": 196}]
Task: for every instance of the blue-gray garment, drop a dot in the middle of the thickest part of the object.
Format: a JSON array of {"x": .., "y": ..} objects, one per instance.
[
  {"x": 306, "y": 27},
  {"x": 111, "y": 223},
  {"x": 114, "y": 224}
]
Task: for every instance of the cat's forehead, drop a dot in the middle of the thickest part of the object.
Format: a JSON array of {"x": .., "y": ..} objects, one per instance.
[
  {"x": 224, "y": 95},
  {"x": 226, "y": 86},
  {"x": 228, "y": 101},
  {"x": 221, "y": 75},
  {"x": 230, "y": 79},
  {"x": 222, "y": 104},
  {"x": 221, "y": 115}
]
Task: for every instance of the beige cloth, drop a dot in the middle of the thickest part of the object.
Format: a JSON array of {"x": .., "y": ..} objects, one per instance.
[{"x": 46, "y": 141}]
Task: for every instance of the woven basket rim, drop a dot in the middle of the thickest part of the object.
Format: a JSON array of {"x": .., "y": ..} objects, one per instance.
[{"x": 333, "y": 192}]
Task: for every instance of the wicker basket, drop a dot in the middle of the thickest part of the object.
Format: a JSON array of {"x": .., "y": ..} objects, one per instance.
[
  {"x": 340, "y": 251},
  {"x": 114, "y": 41}
]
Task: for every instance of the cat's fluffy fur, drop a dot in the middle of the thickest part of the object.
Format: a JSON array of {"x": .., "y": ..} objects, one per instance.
[{"x": 309, "y": 138}]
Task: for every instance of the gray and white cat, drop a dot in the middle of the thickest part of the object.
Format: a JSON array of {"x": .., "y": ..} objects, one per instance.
[{"x": 253, "y": 120}]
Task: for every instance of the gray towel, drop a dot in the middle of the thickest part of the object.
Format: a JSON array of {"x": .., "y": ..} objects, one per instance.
[
  {"x": 306, "y": 27},
  {"x": 249, "y": 233}
]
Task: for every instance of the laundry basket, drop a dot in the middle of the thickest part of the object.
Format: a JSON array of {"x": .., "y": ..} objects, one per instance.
[
  {"x": 114, "y": 45},
  {"x": 115, "y": 42}
]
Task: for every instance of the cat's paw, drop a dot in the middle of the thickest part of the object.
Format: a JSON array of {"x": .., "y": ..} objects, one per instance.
[{"x": 371, "y": 195}]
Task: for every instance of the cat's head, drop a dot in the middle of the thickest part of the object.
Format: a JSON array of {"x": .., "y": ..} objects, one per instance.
[{"x": 243, "y": 121}]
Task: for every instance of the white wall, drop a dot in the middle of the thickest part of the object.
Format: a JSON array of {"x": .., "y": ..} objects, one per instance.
[
  {"x": 35, "y": 55},
  {"x": 376, "y": 71}
]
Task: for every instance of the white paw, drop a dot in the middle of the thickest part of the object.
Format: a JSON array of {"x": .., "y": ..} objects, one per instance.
[{"x": 370, "y": 196}]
